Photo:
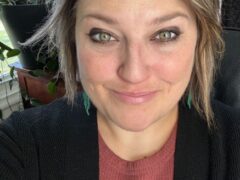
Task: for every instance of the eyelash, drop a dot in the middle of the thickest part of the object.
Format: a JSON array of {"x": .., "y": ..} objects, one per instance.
[
  {"x": 95, "y": 35},
  {"x": 174, "y": 34}
]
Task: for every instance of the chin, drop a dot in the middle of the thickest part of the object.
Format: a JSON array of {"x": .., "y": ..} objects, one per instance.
[
  {"x": 136, "y": 125},
  {"x": 135, "y": 129},
  {"x": 137, "y": 121}
]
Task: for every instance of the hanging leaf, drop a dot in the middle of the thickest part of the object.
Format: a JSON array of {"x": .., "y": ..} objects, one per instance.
[
  {"x": 52, "y": 65},
  {"x": 1, "y": 114},
  {"x": 37, "y": 73},
  {"x": 13, "y": 52},
  {"x": 10, "y": 84},
  {"x": 25, "y": 95},
  {"x": 12, "y": 71},
  {"x": 52, "y": 87},
  {"x": 2, "y": 57},
  {"x": 4, "y": 47},
  {"x": 35, "y": 102}
]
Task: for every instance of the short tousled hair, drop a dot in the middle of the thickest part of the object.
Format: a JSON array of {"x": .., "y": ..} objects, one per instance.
[{"x": 58, "y": 33}]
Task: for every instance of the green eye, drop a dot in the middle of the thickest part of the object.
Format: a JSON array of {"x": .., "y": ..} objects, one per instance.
[
  {"x": 165, "y": 36},
  {"x": 103, "y": 37},
  {"x": 99, "y": 36}
]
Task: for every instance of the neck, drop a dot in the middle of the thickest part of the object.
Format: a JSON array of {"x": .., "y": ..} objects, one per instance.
[{"x": 133, "y": 146}]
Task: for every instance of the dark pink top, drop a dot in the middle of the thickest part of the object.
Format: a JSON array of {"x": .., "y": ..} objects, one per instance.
[{"x": 159, "y": 166}]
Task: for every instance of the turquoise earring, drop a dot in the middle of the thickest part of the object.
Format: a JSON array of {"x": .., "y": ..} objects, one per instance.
[
  {"x": 86, "y": 103},
  {"x": 189, "y": 101}
]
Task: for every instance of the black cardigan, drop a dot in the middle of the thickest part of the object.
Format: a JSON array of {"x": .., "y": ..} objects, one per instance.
[{"x": 60, "y": 142}]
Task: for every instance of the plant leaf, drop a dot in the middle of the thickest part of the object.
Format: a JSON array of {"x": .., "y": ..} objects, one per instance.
[
  {"x": 37, "y": 73},
  {"x": 25, "y": 95},
  {"x": 12, "y": 71},
  {"x": 52, "y": 65},
  {"x": 1, "y": 114},
  {"x": 52, "y": 87},
  {"x": 10, "y": 84},
  {"x": 13, "y": 52},
  {"x": 2, "y": 57},
  {"x": 35, "y": 102}
]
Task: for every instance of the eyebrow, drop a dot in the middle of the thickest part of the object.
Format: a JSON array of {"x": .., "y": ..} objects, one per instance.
[
  {"x": 157, "y": 20},
  {"x": 169, "y": 17},
  {"x": 100, "y": 17}
]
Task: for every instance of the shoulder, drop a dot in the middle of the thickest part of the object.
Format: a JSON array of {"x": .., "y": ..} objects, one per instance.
[
  {"x": 42, "y": 134},
  {"x": 23, "y": 126},
  {"x": 49, "y": 124},
  {"x": 51, "y": 114},
  {"x": 20, "y": 137},
  {"x": 48, "y": 120},
  {"x": 41, "y": 114}
]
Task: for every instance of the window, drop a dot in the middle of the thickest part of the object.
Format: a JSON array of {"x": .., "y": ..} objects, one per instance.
[{"x": 5, "y": 39}]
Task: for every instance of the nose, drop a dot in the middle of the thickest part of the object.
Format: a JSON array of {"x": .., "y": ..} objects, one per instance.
[{"x": 133, "y": 67}]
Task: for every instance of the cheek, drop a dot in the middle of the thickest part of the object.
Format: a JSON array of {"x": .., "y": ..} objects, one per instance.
[
  {"x": 95, "y": 67},
  {"x": 175, "y": 66}
]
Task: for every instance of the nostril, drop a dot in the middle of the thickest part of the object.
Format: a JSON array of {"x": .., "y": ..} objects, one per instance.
[
  {"x": 133, "y": 67},
  {"x": 133, "y": 72}
]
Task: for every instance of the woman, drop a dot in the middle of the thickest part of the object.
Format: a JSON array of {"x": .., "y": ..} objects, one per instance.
[{"x": 147, "y": 68}]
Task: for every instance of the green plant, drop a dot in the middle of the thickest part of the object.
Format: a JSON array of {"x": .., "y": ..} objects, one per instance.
[
  {"x": 50, "y": 70},
  {"x": 49, "y": 61},
  {"x": 5, "y": 53}
]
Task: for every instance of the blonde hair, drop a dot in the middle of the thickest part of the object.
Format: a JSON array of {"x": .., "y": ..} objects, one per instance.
[
  {"x": 208, "y": 53},
  {"x": 59, "y": 33}
]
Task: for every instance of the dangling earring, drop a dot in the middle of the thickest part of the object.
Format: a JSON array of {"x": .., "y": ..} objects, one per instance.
[
  {"x": 189, "y": 101},
  {"x": 86, "y": 103}
]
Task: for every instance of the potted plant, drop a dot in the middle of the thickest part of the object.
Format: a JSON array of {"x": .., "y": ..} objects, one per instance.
[
  {"x": 39, "y": 86},
  {"x": 41, "y": 79},
  {"x": 21, "y": 18},
  {"x": 45, "y": 84}
]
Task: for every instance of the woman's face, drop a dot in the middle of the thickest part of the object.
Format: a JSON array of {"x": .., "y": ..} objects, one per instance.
[{"x": 135, "y": 58}]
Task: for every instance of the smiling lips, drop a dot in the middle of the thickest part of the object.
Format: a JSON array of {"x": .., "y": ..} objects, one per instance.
[{"x": 134, "y": 97}]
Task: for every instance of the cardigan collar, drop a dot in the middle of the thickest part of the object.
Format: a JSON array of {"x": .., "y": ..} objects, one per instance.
[
  {"x": 192, "y": 154},
  {"x": 192, "y": 146}
]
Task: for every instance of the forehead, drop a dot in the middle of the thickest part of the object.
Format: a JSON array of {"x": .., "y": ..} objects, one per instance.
[{"x": 133, "y": 9}]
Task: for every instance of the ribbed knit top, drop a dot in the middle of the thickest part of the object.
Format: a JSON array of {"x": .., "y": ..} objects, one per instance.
[{"x": 158, "y": 166}]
